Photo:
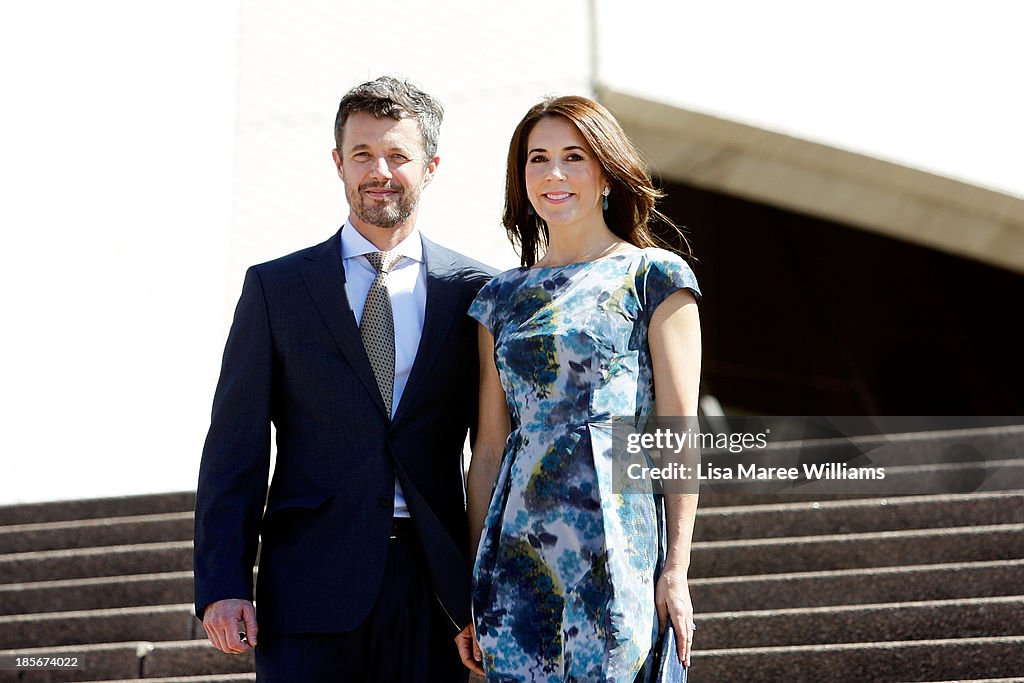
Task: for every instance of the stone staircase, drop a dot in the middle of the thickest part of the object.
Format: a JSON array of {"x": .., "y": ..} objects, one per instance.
[
  {"x": 107, "y": 581},
  {"x": 788, "y": 588}
]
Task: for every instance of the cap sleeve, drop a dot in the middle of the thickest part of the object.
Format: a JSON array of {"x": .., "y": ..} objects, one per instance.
[
  {"x": 665, "y": 274},
  {"x": 482, "y": 308}
]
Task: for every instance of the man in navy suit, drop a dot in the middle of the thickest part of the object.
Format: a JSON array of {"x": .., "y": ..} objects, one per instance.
[{"x": 362, "y": 569}]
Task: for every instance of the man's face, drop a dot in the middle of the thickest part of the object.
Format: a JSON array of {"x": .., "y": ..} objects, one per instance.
[{"x": 384, "y": 168}]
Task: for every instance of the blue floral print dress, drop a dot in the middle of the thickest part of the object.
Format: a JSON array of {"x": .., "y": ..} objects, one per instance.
[{"x": 564, "y": 574}]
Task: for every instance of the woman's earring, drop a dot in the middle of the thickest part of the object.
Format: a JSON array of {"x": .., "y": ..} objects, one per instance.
[
  {"x": 529, "y": 209},
  {"x": 607, "y": 191}
]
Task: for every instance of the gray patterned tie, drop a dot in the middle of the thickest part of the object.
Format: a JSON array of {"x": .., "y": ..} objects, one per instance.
[{"x": 377, "y": 326}]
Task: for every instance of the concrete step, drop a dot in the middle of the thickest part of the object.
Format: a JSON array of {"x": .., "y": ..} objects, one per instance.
[
  {"x": 193, "y": 658},
  {"x": 848, "y": 551},
  {"x": 124, "y": 506},
  {"x": 718, "y": 523},
  {"x": 165, "y": 588},
  {"x": 148, "y": 622},
  {"x": 712, "y": 597},
  {"x": 966, "y": 658},
  {"x": 946, "y": 581},
  {"x": 846, "y": 516},
  {"x": 752, "y": 521},
  {"x": 213, "y": 678},
  {"x": 87, "y": 533},
  {"x": 1014, "y": 679},
  {"x": 80, "y": 563},
  {"x": 135, "y": 660},
  {"x": 894, "y": 621},
  {"x": 913, "y": 480},
  {"x": 985, "y": 444},
  {"x": 710, "y": 558}
]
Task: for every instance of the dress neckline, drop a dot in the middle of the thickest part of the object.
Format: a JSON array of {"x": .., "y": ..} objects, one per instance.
[{"x": 580, "y": 263}]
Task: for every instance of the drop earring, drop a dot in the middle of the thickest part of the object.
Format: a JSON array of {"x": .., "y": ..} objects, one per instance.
[
  {"x": 529, "y": 209},
  {"x": 607, "y": 191}
]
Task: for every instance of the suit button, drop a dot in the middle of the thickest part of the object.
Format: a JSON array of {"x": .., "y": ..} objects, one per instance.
[{"x": 386, "y": 502}]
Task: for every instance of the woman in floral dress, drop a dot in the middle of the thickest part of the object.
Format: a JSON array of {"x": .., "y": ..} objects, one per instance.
[{"x": 566, "y": 581}]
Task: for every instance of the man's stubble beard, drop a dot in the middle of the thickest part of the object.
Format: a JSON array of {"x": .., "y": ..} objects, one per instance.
[{"x": 384, "y": 215}]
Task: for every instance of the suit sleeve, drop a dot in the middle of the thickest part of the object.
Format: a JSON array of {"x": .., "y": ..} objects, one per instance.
[
  {"x": 480, "y": 309},
  {"x": 236, "y": 458}
]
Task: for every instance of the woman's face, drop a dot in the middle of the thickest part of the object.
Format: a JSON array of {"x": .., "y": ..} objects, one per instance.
[{"x": 563, "y": 178}]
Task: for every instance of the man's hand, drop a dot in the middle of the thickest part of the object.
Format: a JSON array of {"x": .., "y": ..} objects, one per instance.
[
  {"x": 226, "y": 621},
  {"x": 469, "y": 649}
]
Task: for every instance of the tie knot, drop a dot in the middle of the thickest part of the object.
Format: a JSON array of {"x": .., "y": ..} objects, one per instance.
[{"x": 383, "y": 261}]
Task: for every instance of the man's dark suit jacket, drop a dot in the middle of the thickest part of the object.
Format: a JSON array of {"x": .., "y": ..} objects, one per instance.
[{"x": 294, "y": 357}]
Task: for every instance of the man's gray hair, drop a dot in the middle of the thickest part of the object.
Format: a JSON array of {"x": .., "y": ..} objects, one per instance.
[{"x": 394, "y": 98}]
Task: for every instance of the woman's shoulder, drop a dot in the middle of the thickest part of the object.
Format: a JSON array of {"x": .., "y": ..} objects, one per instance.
[
  {"x": 661, "y": 272},
  {"x": 658, "y": 255}
]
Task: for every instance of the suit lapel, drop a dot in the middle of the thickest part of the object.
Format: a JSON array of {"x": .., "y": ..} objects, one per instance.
[
  {"x": 324, "y": 275},
  {"x": 443, "y": 295}
]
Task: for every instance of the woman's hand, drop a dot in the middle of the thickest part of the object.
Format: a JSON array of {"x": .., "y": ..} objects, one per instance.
[
  {"x": 469, "y": 649},
  {"x": 672, "y": 600}
]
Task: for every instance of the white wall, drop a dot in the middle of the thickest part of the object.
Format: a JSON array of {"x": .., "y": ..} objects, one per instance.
[{"x": 117, "y": 144}]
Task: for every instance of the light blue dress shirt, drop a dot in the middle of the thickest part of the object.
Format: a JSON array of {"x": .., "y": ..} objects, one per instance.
[{"x": 407, "y": 285}]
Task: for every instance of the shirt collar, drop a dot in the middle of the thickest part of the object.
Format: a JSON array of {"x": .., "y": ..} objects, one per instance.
[{"x": 353, "y": 244}]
